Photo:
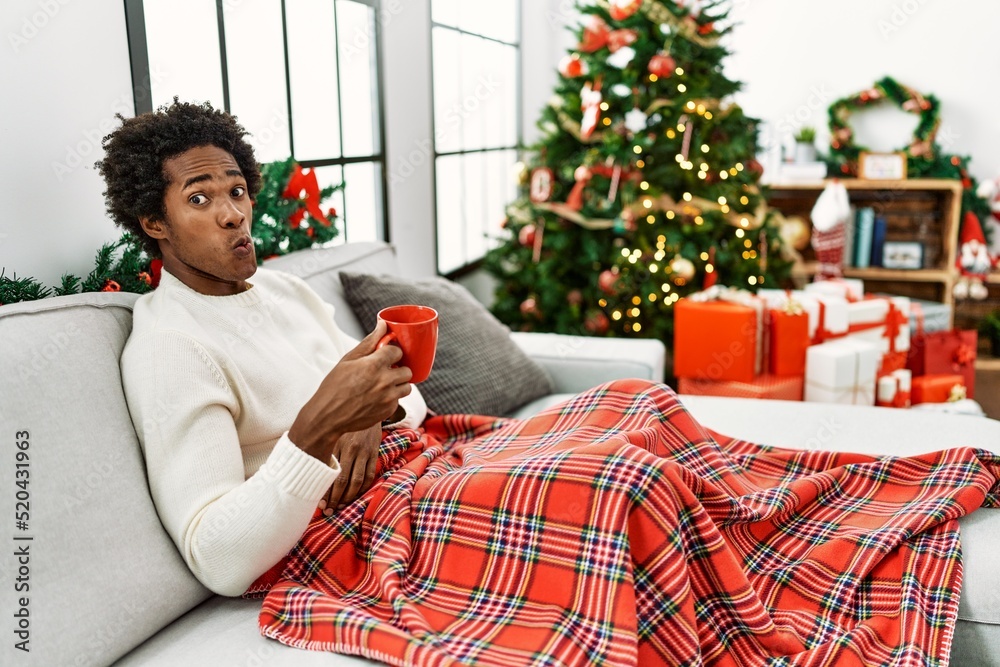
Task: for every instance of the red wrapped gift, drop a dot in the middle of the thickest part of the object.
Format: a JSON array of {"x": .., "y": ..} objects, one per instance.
[
  {"x": 764, "y": 386},
  {"x": 945, "y": 352},
  {"x": 938, "y": 388},
  {"x": 789, "y": 340},
  {"x": 718, "y": 335}
]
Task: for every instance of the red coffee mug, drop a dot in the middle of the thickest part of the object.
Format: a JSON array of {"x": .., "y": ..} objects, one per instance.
[{"x": 414, "y": 329}]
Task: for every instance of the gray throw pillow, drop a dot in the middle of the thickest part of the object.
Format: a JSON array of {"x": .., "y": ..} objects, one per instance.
[{"x": 478, "y": 369}]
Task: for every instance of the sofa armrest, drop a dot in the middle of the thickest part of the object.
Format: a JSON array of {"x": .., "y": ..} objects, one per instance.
[{"x": 577, "y": 363}]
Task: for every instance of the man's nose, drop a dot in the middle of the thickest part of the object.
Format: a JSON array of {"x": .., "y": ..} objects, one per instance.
[{"x": 230, "y": 215}]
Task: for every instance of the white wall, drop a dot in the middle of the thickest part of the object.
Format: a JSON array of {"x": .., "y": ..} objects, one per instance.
[
  {"x": 796, "y": 58},
  {"x": 64, "y": 73}
]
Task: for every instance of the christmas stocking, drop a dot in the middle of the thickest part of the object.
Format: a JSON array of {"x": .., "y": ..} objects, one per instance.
[{"x": 829, "y": 218}]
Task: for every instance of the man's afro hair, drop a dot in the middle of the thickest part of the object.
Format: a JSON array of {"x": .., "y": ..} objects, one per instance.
[{"x": 134, "y": 155}]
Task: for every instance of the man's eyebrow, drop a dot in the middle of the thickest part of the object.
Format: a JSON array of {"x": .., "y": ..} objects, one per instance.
[{"x": 207, "y": 177}]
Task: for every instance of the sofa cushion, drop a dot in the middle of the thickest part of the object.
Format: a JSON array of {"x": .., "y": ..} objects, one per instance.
[
  {"x": 478, "y": 369},
  {"x": 319, "y": 267},
  {"x": 224, "y": 631},
  {"x": 98, "y": 554}
]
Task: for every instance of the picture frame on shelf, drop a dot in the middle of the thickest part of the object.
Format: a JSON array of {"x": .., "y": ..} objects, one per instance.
[
  {"x": 907, "y": 255},
  {"x": 882, "y": 166}
]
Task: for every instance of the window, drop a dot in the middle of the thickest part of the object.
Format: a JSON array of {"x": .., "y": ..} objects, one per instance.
[
  {"x": 477, "y": 122},
  {"x": 302, "y": 76}
]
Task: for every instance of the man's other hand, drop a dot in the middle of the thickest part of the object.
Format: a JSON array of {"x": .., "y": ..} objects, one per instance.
[
  {"x": 357, "y": 453},
  {"x": 360, "y": 391}
]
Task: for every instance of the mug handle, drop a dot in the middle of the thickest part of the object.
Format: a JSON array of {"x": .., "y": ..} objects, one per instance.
[{"x": 386, "y": 340}]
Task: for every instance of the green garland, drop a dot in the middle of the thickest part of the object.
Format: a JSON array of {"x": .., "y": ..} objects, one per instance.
[
  {"x": 122, "y": 266},
  {"x": 844, "y": 153},
  {"x": 924, "y": 156}
]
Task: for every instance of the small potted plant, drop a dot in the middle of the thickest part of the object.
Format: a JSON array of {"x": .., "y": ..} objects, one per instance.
[
  {"x": 990, "y": 328},
  {"x": 805, "y": 145}
]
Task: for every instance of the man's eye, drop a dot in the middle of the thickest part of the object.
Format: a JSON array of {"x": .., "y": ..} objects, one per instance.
[
  {"x": 238, "y": 191},
  {"x": 198, "y": 200}
]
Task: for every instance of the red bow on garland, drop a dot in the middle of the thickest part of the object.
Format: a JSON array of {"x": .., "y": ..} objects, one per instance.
[{"x": 299, "y": 183}]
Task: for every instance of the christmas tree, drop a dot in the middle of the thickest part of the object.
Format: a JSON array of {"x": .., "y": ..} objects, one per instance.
[{"x": 643, "y": 187}]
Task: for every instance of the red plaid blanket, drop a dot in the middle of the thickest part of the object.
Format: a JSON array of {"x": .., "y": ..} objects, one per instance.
[{"x": 615, "y": 530}]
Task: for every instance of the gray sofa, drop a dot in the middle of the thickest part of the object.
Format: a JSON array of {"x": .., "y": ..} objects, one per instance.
[{"x": 108, "y": 586}]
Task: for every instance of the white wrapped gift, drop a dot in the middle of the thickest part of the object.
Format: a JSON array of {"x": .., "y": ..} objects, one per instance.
[
  {"x": 894, "y": 389},
  {"x": 852, "y": 289},
  {"x": 842, "y": 371},
  {"x": 872, "y": 319}
]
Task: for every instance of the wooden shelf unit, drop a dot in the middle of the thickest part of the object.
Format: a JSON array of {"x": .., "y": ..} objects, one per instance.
[
  {"x": 988, "y": 364},
  {"x": 923, "y": 210}
]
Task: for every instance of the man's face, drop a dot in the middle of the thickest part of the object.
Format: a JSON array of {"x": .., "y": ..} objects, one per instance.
[{"x": 205, "y": 239}]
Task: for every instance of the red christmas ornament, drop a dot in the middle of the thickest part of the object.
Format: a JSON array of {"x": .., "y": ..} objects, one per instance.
[
  {"x": 595, "y": 35},
  {"x": 575, "y": 199},
  {"x": 755, "y": 168},
  {"x": 608, "y": 281},
  {"x": 526, "y": 236},
  {"x": 571, "y": 66},
  {"x": 711, "y": 276},
  {"x": 662, "y": 65},
  {"x": 590, "y": 100},
  {"x": 145, "y": 277},
  {"x": 111, "y": 286},
  {"x": 706, "y": 29},
  {"x": 628, "y": 218},
  {"x": 574, "y": 298},
  {"x": 542, "y": 180},
  {"x": 529, "y": 307},
  {"x": 622, "y": 9},
  {"x": 619, "y": 38},
  {"x": 597, "y": 323}
]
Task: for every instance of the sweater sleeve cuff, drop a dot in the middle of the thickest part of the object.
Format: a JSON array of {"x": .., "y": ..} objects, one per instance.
[
  {"x": 415, "y": 408},
  {"x": 298, "y": 473}
]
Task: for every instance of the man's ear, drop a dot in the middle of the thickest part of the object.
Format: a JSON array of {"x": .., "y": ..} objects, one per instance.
[{"x": 154, "y": 228}]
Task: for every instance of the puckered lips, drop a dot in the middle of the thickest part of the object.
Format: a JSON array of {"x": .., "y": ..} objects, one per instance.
[{"x": 243, "y": 247}]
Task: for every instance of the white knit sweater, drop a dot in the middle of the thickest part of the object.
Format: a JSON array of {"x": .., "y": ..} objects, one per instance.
[{"x": 213, "y": 384}]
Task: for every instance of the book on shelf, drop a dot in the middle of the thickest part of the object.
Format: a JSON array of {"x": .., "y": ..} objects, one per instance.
[
  {"x": 878, "y": 240},
  {"x": 864, "y": 227},
  {"x": 849, "y": 231}
]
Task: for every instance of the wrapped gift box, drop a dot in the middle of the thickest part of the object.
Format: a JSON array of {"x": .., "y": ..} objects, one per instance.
[
  {"x": 788, "y": 340},
  {"x": 827, "y": 314},
  {"x": 894, "y": 389},
  {"x": 718, "y": 339},
  {"x": 764, "y": 386},
  {"x": 850, "y": 289},
  {"x": 933, "y": 316},
  {"x": 842, "y": 371},
  {"x": 946, "y": 352},
  {"x": 881, "y": 320},
  {"x": 938, "y": 388}
]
